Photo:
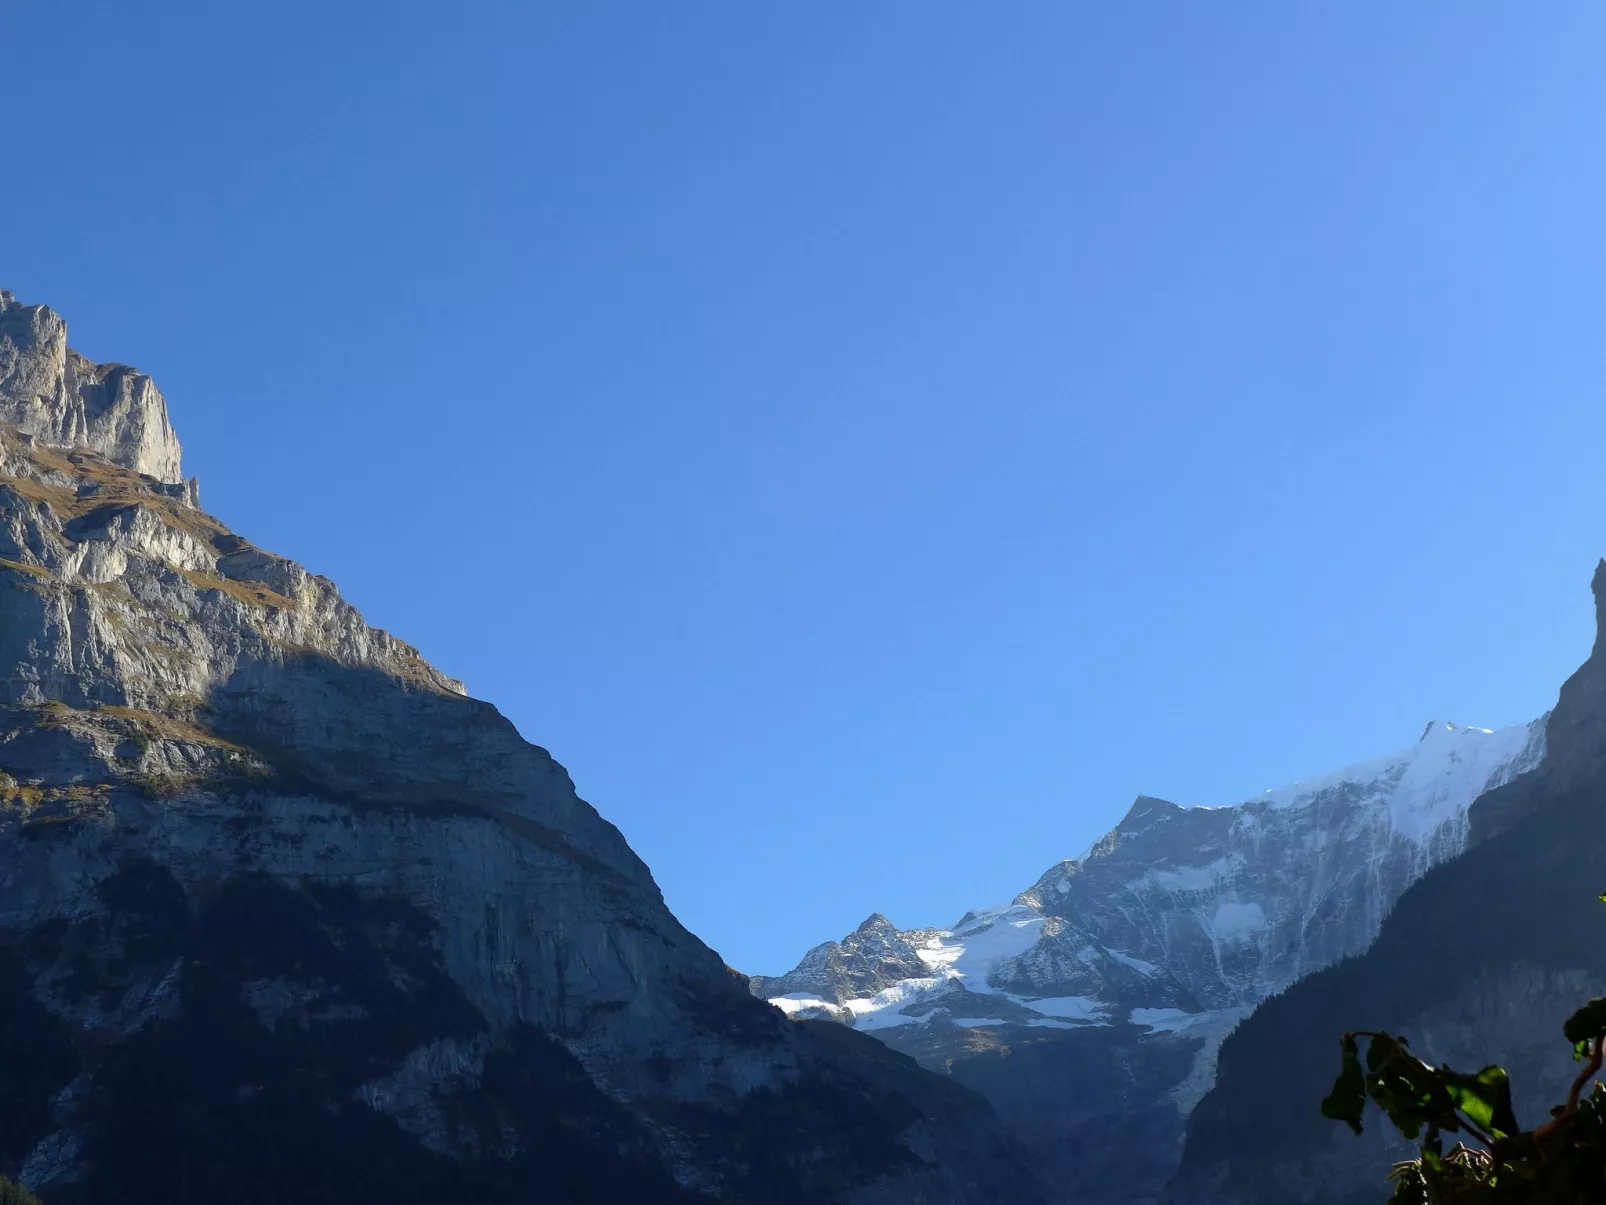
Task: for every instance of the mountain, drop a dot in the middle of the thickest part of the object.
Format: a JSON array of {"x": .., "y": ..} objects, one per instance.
[
  {"x": 1089, "y": 1010},
  {"x": 286, "y": 914},
  {"x": 1480, "y": 962}
]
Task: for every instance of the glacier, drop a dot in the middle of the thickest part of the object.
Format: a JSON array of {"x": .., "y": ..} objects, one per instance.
[
  {"x": 1212, "y": 907},
  {"x": 1128, "y": 966}
]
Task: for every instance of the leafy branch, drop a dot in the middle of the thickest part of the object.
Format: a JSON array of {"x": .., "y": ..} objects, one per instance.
[{"x": 1562, "y": 1162}]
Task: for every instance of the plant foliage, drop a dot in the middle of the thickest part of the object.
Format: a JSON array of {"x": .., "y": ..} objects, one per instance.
[{"x": 1494, "y": 1160}]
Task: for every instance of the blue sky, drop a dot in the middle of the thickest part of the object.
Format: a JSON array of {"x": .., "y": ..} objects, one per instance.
[{"x": 869, "y": 444}]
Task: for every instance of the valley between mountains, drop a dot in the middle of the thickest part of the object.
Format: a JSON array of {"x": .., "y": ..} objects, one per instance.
[{"x": 286, "y": 914}]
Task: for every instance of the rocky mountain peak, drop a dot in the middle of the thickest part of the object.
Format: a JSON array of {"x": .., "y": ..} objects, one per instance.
[
  {"x": 1056, "y": 880},
  {"x": 1597, "y": 586},
  {"x": 1575, "y": 737},
  {"x": 1145, "y": 810},
  {"x": 358, "y": 922},
  {"x": 1493, "y": 991},
  {"x": 872, "y": 957},
  {"x": 875, "y": 923},
  {"x": 1127, "y": 967},
  {"x": 52, "y": 393}
]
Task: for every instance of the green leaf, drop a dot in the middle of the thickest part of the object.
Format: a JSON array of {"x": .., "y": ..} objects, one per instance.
[
  {"x": 1585, "y": 1025},
  {"x": 1484, "y": 1098},
  {"x": 1347, "y": 1101},
  {"x": 1407, "y": 1089},
  {"x": 1382, "y": 1050}
]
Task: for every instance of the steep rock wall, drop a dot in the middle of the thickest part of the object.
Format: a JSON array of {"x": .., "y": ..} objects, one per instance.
[
  {"x": 1479, "y": 962},
  {"x": 284, "y": 913}
]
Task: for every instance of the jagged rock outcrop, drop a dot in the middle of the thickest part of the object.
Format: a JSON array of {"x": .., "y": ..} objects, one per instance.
[
  {"x": 1090, "y": 1009},
  {"x": 1479, "y": 962},
  {"x": 49, "y": 391},
  {"x": 285, "y": 914},
  {"x": 874, "y": 956}
]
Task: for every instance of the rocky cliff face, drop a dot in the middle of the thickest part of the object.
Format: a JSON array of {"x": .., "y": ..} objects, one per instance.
[
  {"x": 1479, "y": 962},
  {"x": 284, "y": 912},
  {"x": 1090, "y": 1009},
  {"x": 54, "y": 394}
]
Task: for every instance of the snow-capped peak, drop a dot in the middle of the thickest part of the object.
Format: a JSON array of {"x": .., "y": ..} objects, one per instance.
[
  {"x": 1193, "y": 910},
  {"x": 1431, "y": 783}
]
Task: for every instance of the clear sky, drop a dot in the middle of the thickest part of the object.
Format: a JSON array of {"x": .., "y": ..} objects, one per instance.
[{"x": 869, "y": 443}]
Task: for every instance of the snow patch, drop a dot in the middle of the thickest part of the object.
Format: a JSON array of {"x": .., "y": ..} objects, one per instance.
[
  {"x": 1194, "y": 878},
  {"x": 1039, "y": 1023},
  {"x": 1071, "y": 1008},
  {"x": 988, "y": 938},
  {"x": 1175, "y": 1020},
  {"x": 961, "y": 959},
  {"x": 1137, "y": 964},
  {"x": 1432, "y": 782},
  {"x": 1236, "y": 922},
  {"x": 1450, "y": 768},
  {"x": 1161, "y": 1020},
  {"x": 797, "y": 1002},
  {"x": 884, "y": 1008}
]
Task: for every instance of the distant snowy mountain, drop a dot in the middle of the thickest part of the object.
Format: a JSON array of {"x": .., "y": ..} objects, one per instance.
[
  {"x": 1480, "y": 962},
  {"x": 1133, "y": 962}
]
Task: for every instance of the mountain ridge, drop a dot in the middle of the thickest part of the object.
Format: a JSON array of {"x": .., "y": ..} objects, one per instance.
[
  {"x": 1479, "y": 962},
  {"x": 1138, "y": 959},
  {"x": 283, "y": 907}
]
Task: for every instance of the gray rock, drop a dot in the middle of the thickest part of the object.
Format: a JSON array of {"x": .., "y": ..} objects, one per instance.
[
  {"x": 872, "y": 957},
  {"x": 49, "y": 391},
  {"x": 1124, "y": 970},
  {"x": 1479, "y": 963},
  {"x": 195, "y": 732}
]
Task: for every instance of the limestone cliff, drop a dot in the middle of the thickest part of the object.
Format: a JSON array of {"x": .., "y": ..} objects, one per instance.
[
  {"x": 53, "y": 393},
  {"x": 284, "y": 912}
]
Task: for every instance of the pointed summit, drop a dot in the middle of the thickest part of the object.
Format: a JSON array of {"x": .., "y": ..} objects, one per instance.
[
  {"x": 1145, "y": 810},
  {"x": 1597, "y": 585},
  {"x": 876, "y": 923}
]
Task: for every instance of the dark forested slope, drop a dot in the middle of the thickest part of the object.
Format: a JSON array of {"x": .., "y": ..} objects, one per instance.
[{"x": 1480, "y": 961}]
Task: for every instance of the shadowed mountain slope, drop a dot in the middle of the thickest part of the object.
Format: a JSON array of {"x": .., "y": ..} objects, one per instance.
[
  {"x": 285, "y": 914},
  {"x": 1479, "y": 962}
]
